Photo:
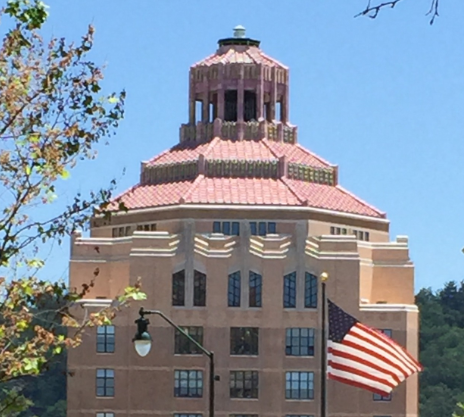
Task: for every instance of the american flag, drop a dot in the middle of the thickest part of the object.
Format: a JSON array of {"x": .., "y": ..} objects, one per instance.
[{"x": 363, "y": 357}]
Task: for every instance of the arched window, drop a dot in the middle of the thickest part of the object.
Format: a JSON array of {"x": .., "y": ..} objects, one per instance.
[
  {"x": 255, "y": 289},
  {"x": 290, "y": 290},
  {"x": 199, "y": 289}
]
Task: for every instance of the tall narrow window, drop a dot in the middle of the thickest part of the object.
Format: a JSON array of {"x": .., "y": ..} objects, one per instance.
[
  {"x": 230, "y": 106},
  {"x": 253, "y": 228},
  {"x": 105, "y": 339},
  {"x": 105, "y": 383},
  {"x": 104, "y": 415},
  {"x": 234, "y": 289},
  {"x": 183, "y": 346},
  {"x": 310, "y": 290},
  {"x": 198, "y": 110},
  {"x": 262, "y": 228},
  {"x": 199, "y": 289},
  {"x": 178, "y": 288},
  {"x": 250, "y": 106},
  {"x": 290, "y": 290},
  {"x": 255, "y": 289}
]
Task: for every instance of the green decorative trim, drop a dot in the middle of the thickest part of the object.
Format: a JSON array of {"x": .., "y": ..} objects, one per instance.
[
  {"x": 242, "y": 169},
  {"x": 171, "y": 172},
  {"x": 289, "y": 136},
  {"x": 229, "y": 130},
  {"x": 271, "y": 131},
  {"x": 310, "y": 174}
]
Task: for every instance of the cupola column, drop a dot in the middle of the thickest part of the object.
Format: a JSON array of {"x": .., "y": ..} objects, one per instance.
[
  {"x": 272, "y": 106},
  {"x": 191, "y": 99},
  {"x": 260, "y": 93},
  {"x": 205, "y": 103},
  {"x": 220, "y": 93},
  {"x": 240, "y": 103}
]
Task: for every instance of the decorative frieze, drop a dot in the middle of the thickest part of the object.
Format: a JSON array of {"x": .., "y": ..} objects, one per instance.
[
  {"x": 181, "y": 171},
  {"x": 310, "y": 174},
  {"x": 242, "y": 169}
]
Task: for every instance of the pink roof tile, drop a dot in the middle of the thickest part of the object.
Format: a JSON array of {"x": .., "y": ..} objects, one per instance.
[
  {"x": 143, "y": 196},
  {"x": 252, "y": 55},
  {"x": 257, "y": 191},
  {"x": 246, "y": 149},
  {"x": 332, "y": 198},
  {"x": 179, "y": 153},
  {"x": 296, "y": 154}
]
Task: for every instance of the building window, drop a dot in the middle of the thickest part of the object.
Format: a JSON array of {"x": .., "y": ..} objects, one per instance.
[
  {"x": 199, "y": 289},
  {"x": 227, "y": 228},
  {"x": 178, "y": 288},
  {"x": 244, "y": 340},
  {"x": 188, "y": 415},
  {"x": 378, "y": 397},
  {"x": 234, "y": 289},
  {"x": 310, "y": 290},
  {"x": 299, "y": 385},
  {"x": 299, "y": 415},
  {"x": 105, "y": 339},
  {"x": 263, "y": 228},
  {"x": 244, "y": 384},
  {"x": 184, "y": 346},
  {"x": 104, "y": 415},
  {"x": 290, "y": 290},
  {"x": 149, "y": 227},
  {"x": 386, "y": 332},
  {"x": 188, "y": 384},
  {"x": 255, "y": 290},
  {"x": 361, "y": 235},
  {"x": 243, "y": 415},
  {"x": 338, "y": 230},
  {"x": 299, "y": 342},
  {"x": 105, "y": 383}
]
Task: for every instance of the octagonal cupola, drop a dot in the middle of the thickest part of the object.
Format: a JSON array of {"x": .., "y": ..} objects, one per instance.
[{"x": 238, "y": 93}]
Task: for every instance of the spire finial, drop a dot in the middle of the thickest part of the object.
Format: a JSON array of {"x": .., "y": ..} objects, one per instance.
[{"x": 239, "y": 31}]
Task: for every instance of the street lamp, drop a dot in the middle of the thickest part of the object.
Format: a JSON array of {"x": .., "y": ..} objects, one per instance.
[{"x": 142, "y": 343}]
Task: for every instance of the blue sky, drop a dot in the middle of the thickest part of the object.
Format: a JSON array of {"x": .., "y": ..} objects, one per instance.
[{"x": 383, "y": 99}]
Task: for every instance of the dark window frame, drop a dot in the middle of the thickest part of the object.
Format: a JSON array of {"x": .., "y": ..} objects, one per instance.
[
  {"x": 199, "y": 289},
  {"x": 289, "y": 293},
  {"x": 106, "y": 339},
  {"x": 310, "y": 295},
  {"x": 188, "y": 390},
  {"x": 244, "y": 341},
  {"x": 178, "y": 288},
  {"x": 255, "y": 287},
  {"x": 381, "y": 398},
  {"x": 184, "y": 346},
  {"x": 244, "y": 384},
  {"x": 234, "y": 289},
  {"x": 295, "y": 385},
  {"x": 104, "y": 414},
  {"x": 104, "y": 382},
  {"x": 304, "y": 338}
]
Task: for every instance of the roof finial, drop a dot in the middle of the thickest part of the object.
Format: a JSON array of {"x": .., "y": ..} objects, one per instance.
[{"x": 239, "y": 31}]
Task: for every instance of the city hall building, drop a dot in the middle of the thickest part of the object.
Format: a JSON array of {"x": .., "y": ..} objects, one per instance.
[{"x": 230, "y": 231}]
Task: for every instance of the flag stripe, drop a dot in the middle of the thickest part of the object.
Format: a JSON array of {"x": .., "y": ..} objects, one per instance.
[
  {"x": 348, "y": 355},
  {"x": 356, "y": 383},
  {"x": 389, "y": 345}
]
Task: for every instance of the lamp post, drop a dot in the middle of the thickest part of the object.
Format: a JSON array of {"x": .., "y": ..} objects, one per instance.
[{"x": 142, "y": 343}]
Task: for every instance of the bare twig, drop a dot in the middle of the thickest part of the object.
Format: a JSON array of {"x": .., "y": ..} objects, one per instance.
[{"x": 372, "y": 11}]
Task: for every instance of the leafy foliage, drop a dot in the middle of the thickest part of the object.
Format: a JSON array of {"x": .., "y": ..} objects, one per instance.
[
  {"x": 441, "y": 346},
  {"x": 52, "y": 114}
]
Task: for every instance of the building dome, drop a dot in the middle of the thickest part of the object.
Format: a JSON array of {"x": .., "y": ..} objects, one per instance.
[{"x": 238, "y": 147}]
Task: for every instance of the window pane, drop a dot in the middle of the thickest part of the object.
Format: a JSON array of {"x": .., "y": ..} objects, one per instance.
[
  {"x": 244, "y": 341},
  {"x": 199, "y": 289},
  {"x": 234, "y": 290},
  {"x": 226, "y": 228},
  {"x": 262, "y": 229},
  {"x": 310, "y": 290},
  {"x": 183, "y": 346},
  {"x": 178, "y": 288},
  {"x": 255, "y": 289},
  {"x": 253, "y": 228},
  {"x": 271, "y": 228},
  {"x": 236, "y": 228},
  {"x": 216, "y": 227},
  {"x": 290, "y": 290}
]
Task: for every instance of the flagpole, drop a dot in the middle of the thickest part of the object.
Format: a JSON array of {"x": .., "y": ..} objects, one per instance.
[{"x": 324, "y": 276}]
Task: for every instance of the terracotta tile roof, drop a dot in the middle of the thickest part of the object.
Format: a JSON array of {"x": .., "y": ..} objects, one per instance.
[
  {"x": 179, "y": 153},
  {"x": 296, "y": 154},
  {"x": 252, "y": 55},
  {"x": 332, "y": 198},
  {"x": 246, "y": 149},
  {"x": 248, "y": 191},
  {"x": 143, "y": 196}
]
